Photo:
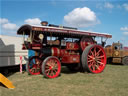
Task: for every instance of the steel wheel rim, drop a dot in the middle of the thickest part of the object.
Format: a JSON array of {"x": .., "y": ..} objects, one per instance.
[
  {"x": 34, "y": 66},
  {"x": 52, "y": 67},
  {"x": 96, "y": 59}
]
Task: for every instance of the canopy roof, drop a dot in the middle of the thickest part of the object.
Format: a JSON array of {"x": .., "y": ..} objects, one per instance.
[{"x": 56, "y": 31}]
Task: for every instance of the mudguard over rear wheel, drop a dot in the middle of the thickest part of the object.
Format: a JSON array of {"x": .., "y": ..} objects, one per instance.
[{"x": 93, "y": 59}]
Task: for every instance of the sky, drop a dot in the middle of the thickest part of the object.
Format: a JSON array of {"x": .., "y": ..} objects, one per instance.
[{"x": 104, "y": 16}]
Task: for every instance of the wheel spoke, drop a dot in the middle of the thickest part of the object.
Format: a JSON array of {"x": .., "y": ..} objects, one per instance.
[
  {"x": 48, "y": 72},
  {"x": 50, "y": 60},
  {"x": 90, "y": 56},
  {"x": 97, "y": 54},
  {"x": 48, "y": 64},
  {"x": 38, "y": 62},
  {"x": 100, "y": 57},
  {"x": 90, "y": 65},
  {"x": 97, "y": 67},
  {"x": 47, "y": 67},
  {"x": 90, "y": 61},
  {"x": 93, "y": 68},
  {"x": 100, "y": 63},
  {"x": 52, "y": 73},
  {"x": 33, "y": 70},
  {"x": 55, "y": 70},
  {"x": 94, "y": 51}
]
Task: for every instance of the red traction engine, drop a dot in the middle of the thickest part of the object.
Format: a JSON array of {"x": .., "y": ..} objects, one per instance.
[{"x": 57, "y": 46}]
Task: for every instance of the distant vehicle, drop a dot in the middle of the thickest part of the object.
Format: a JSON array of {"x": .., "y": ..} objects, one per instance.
[
  {"x": 126, "y": 48},
  {"x": 116, "y": 53}
]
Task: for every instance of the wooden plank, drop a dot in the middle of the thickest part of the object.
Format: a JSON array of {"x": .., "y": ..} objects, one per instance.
[{"x": 6, "y": 82}]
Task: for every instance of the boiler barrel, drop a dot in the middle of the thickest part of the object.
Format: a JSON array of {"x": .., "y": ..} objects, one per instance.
[{"x": 54, "y": 51}]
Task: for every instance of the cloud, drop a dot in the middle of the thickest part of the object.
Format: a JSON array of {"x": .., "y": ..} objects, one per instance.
[
  {"x": 124, "y": 28},
  {"x": 125, "y": 6},
  {"x": 3, "y": 20},
  {"x": 6, "y": 25},
  {"x": 33, "y": 21},
  {"x": 125, "y": 33},
  {"x": 81, "y": 17},
  {"x": 9, "y": 26},
  {"x": 108, "y": 5}
]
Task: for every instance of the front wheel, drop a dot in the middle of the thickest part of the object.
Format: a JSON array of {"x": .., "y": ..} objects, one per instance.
[
  {"x": 34, "y": 65},
  {"x": 51, "y": 67},
  {"x": 125, "y": 60},
  {"x": 93, "y": 59}
]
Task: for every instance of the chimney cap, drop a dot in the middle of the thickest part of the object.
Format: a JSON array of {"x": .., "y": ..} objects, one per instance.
[{"x": 44, "y": 23}]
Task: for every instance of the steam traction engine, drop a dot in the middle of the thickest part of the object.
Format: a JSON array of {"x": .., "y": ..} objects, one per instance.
[{"x": 57, "y": 46}]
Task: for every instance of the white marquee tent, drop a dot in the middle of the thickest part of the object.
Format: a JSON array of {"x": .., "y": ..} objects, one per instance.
[{"x": 11, "y": 50}]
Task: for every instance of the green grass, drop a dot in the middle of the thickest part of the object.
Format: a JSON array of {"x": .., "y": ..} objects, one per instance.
[{"x": 112, "y": 82}]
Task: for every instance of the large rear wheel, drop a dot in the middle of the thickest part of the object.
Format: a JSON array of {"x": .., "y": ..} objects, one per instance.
[
  {"x": 34, "y": 65},
  {"x": 93, "y": 59},
  {"x": 51, "y": 67}
]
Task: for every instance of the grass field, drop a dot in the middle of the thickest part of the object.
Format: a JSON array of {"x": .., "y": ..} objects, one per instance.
[{"x": 112, "y": 82}]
